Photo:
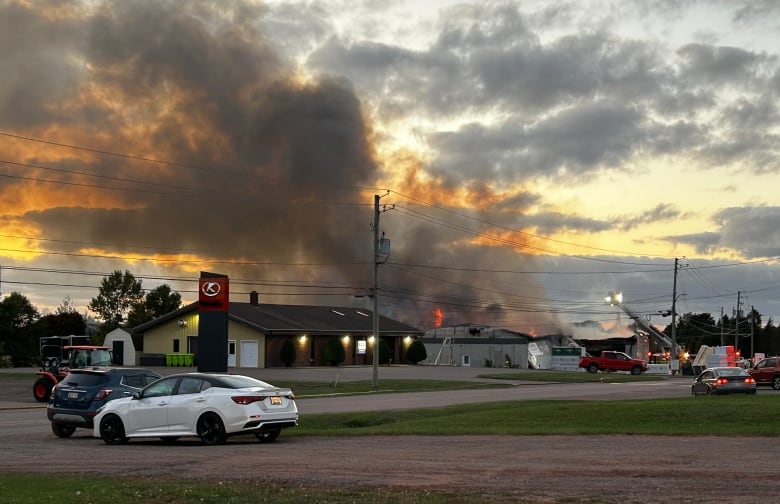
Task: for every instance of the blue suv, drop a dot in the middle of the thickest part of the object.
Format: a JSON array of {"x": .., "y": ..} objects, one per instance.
[{"x": 76, "y": 398}]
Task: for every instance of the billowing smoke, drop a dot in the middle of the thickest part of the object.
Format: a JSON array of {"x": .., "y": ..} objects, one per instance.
[{"x": 269, "y": 174}]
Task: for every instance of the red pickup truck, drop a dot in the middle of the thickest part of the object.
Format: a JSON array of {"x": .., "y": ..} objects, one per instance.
[{"x": 613, "y": 361}]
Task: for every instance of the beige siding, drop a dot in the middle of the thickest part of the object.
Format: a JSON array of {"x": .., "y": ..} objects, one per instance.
[
  {"x": 240, "y": 332},
  {"x": 160, "y": 339}
]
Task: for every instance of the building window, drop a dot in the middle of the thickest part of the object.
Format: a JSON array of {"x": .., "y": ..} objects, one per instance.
[{"x": 176, "y": 346}]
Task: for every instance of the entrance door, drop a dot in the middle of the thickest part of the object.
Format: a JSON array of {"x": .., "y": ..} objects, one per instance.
[
  {"x": 249, "y": 354},
  {"x": 231, "y": 353}
]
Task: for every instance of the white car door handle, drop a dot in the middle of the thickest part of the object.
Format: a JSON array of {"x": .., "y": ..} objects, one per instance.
[
  {"x": 162, "y": 403},
  {"x": 200, "y": 399}
]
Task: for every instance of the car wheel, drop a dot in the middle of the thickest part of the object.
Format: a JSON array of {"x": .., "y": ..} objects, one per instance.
[
  {"x": 42, "y": 389},
  {"x": 210, "y": 429},
  {"x": 112, "y": 431},
  {"x": 776, "y": 382},
  {"x": 62, "y": 430},
  {"x": 269, "y": 436},
  {"x": 636, "y": 370},
  {"x": 593, "y": 368}
]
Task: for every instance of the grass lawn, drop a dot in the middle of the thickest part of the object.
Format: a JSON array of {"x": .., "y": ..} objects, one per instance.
[{"x": 685, "y": 416}]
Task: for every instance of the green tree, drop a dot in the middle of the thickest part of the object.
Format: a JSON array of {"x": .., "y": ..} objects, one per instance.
[
  {"x": 695, "y": 330},
  {"x": 118, "y": 294},
  {"x": 61, "y": 324},
  {"x": 158, "y": 302},
  {"x": 334, "y": 352},
  {"x": 416, "y": 352},
  {"x": 17, "y": 339},
  {"x": 287, "y": 353}
]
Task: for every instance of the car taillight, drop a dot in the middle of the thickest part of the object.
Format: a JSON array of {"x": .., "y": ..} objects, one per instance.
[
  {"x": 750, "y": 380},
  {"x": 290, "y": 397},
  {"x": 102, "y": 394},
  {"x": 247, "y": 399},
  {"x": 721, "y": 381}
]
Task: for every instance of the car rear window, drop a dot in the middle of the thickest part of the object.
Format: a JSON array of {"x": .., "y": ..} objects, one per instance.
[
  {"x": 238, "y": 382},
  {"x": 138, "y": 381},
  {"x": 85, "y": 379}
]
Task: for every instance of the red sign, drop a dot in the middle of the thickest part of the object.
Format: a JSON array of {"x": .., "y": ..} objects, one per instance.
[{"x": 213, "y": 294}]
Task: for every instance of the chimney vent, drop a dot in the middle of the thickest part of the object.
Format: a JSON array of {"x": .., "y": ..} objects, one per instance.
[{"x": 254, "y": 298}]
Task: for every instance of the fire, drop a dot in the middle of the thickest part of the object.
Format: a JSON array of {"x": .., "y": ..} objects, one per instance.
[{"x": 438, "y": 317}]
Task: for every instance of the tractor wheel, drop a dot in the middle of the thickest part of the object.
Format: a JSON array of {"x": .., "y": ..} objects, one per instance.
[
  {"x": 62, "y": 430},
  {"x": 42, "y": 389}
]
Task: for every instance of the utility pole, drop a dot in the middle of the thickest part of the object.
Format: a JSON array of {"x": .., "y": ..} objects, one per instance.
[
  {"x": 736, "y": 324},
  {"x": 673, "y": 356},
  {"x": 722, "y": 333},
  {"x": 752, "y": 329},
  {"x": 375, "y": 291}
]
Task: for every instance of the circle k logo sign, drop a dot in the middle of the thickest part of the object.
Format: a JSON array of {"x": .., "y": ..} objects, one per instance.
[{"x": 210, "y": 289}]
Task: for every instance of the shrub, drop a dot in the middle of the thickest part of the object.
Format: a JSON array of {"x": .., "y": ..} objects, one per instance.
[
  {"x": 334, "y": 352},
  {"x": 287, "y": 353},
  {"x": 384, "y": 352},
  {"x": 416, "y": 352}
]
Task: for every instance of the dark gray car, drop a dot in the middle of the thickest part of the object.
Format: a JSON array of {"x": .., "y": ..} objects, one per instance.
[
  {"x": 723, "y": 380},
  {"x": 75, "y": 399}
]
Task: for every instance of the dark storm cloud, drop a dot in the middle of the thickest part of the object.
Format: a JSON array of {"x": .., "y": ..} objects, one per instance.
[
  {"x": 577, "y": 140},
  {"x": 550, "y": 223},
  {"x": 752, "y": 231},
  {"x": 662, "y": 212},
  {"x": 37, "y": 64},
  {"x": 706, "y": 63},
  {"x": 755, "y": 231},
  {"x": 492, "y": 58}
]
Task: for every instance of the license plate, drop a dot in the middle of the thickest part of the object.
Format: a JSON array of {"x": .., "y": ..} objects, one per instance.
[
  {"x": 73, "y": 395},
  {"x": 276, "y": 400}
]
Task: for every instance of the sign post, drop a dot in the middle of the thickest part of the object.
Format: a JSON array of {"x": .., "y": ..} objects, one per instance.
[{"x": 213, "y": 311}]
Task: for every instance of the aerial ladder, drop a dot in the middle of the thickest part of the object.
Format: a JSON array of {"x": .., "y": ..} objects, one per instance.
[{"x": 616, "y": 299}]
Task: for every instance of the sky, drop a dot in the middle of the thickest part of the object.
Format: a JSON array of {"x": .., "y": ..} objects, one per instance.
[{"x": 530, "y": 157}]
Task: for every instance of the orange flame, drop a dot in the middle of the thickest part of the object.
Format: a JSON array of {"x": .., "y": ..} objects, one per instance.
[{"x": 438, "y": 317}]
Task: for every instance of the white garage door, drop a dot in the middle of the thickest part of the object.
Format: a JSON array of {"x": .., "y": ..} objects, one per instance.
[{"x": 249, "y": 354}]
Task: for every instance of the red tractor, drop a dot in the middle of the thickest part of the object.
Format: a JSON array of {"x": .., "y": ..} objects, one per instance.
[{"x": 60, "y": 354}]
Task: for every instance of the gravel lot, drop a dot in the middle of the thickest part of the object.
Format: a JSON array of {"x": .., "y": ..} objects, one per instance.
[{"x": 619, "y": 469}]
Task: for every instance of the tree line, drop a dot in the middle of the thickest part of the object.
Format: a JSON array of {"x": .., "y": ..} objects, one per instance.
[
  {"x": 744, "y": 331},
  {"x": 121, "y": 302}
]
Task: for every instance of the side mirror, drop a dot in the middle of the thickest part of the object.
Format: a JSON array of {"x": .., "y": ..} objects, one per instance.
[{"x": 136, "y": 395}]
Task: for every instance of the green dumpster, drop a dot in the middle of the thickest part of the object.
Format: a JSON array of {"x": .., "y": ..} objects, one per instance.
[
  {"x": 178, "y": 360},
  {"x": 169, "y": 359},
  {"x": 188, "y": 358}
]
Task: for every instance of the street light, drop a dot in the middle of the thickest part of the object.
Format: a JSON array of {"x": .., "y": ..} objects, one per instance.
[{"x": 614, "y": 298}]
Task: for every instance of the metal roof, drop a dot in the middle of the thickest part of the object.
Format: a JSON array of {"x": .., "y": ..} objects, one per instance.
[{"x": 278, "y": 319}]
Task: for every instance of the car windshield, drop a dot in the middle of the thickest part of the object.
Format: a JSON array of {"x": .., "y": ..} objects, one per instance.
[
  {"x": 238, "y": 382},
  {"x": 85, "y": 379},
  {"x": 99, "y": 358}
]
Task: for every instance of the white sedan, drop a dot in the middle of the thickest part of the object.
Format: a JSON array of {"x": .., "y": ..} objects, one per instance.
[{"x": 209, "y": 406}]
